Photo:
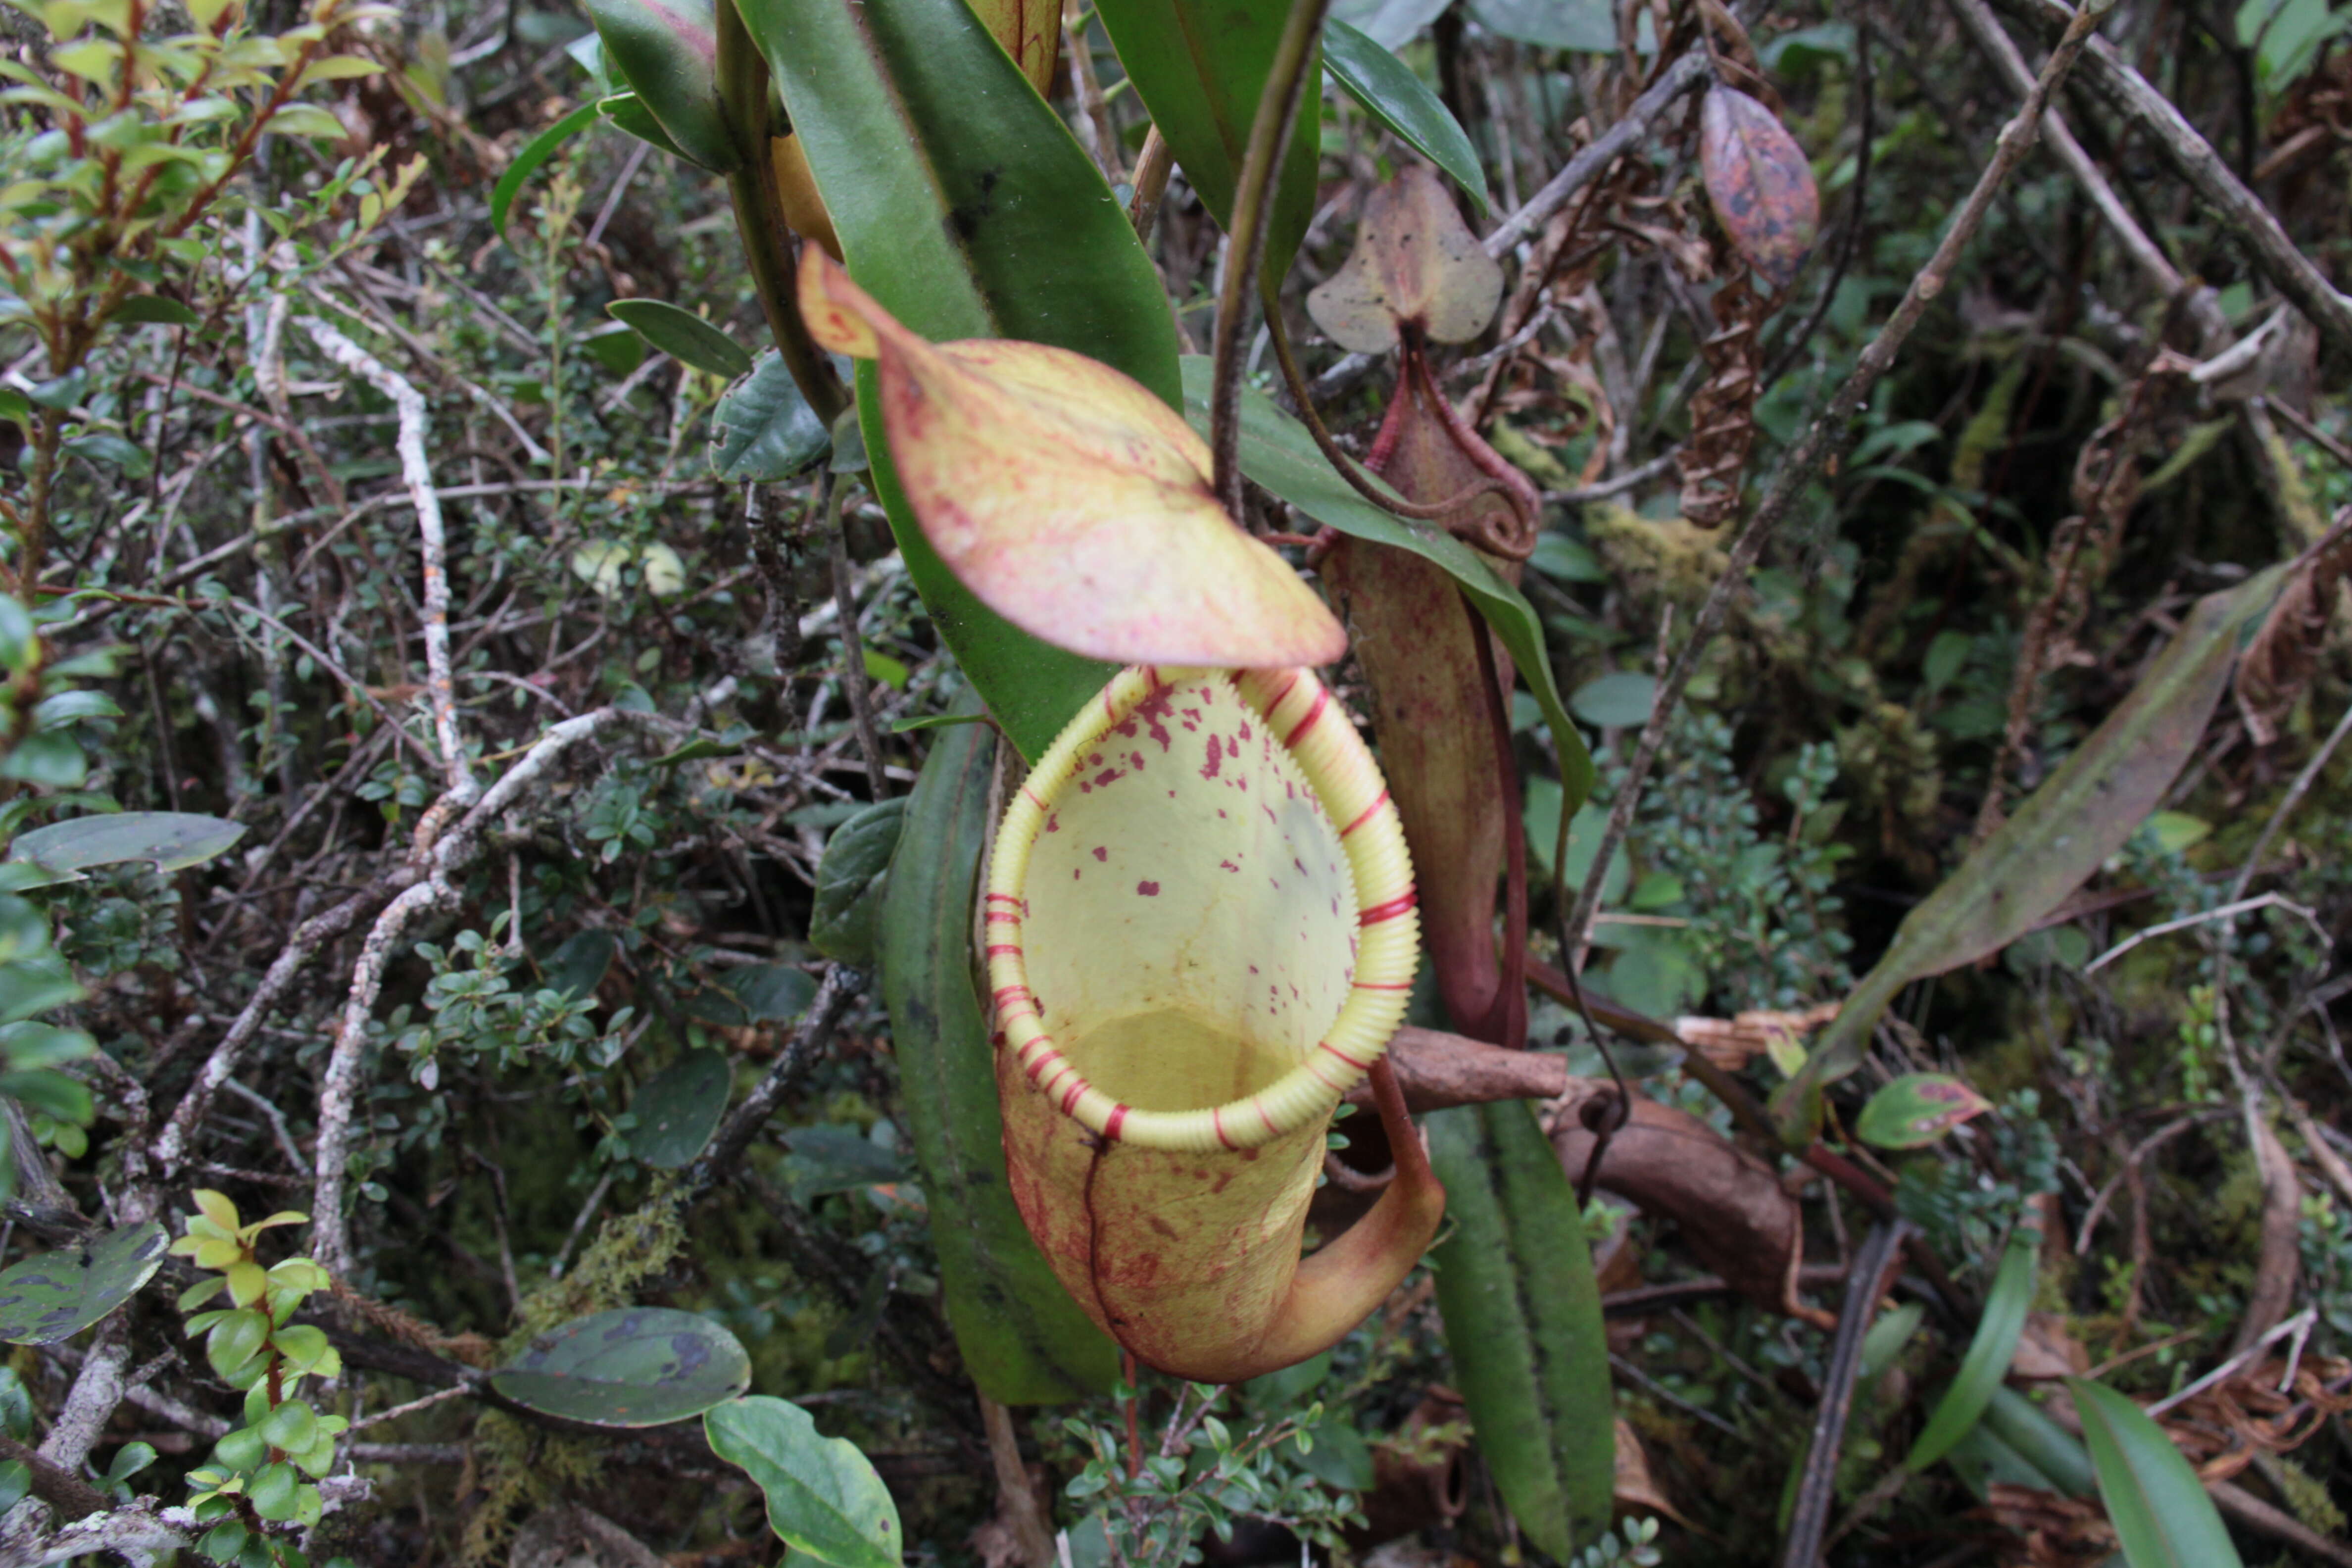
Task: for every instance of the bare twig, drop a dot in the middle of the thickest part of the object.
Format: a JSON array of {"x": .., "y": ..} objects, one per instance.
[
  {"x": 1830, "y": 436},
  {"x": 441, "y": 687},
  {"x": 1816, "y": 1484},
  {"x": 2288, "y": 801},
  {"x": 826, "y": 1011},
  {"x": 853, "y": 679},
  {"x": 2226, "y": 912},
  {"x": 2243, "y": 1357}
]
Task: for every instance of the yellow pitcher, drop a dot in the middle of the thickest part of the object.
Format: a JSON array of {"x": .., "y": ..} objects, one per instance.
[{"x": 1201, "y": 932}]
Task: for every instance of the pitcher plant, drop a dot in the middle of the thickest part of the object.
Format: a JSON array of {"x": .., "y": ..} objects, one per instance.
[{"x": 1200, "y": 931}]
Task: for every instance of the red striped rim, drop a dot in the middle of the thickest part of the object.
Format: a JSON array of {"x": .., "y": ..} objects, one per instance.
[
  {"x": 1070, "y": 1096},
  {"x": 1008, "y": 898},
  {"x": 1382, "y": 986},
  {"x": 1365, "y": 815},
  {"x": 1217, "y": 1125},
  {"x": 995, "y": 947},
  {"x": 1011, "y": 917},
  {"x": 1328, "y": 1045},
  {"x": 1389, "y": 910},
  {"x": 1116, "y": 1119},
  {"x": 1314, "y": 714}
]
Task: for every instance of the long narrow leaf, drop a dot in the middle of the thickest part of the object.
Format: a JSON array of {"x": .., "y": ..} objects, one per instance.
[
  {"x": 2060, "y": 835},
  {"x": 1523, "y": 1321},
  {"x": 535, "y": 152},
  {"x": 1278, "y": 454},
  {"x": 1989, "y": 1352},
  {"x": 967, "y": 209},
  {"x": 2154, "y": 1498},
  {"x": 1023, "y": 1341},
  {"x": 1392, "y": 94}
]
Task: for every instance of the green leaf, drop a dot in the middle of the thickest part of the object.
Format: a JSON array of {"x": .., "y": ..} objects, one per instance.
[
  {"x": 2028, "y": 1431},
  {"x": 682, "y": 335},
  {"x": 1200, "y": 66},
  {"x": 113, "y": 452},
  {"x": 154, "y": 310},
  {"x": 849, "y": 881},
  {"x": 837, "y": 1159},
  {"x": 967, "y": 209},
  {"x": 1023, "y": 1339},
  {"x": 1277, "y": 453},
  {"x": 54, "y": 760},
  {"x": 1394, "y": 94},
  {"x": 668, "y": 53},
  {"x": 825, "y": 1502},
  {"x": 15, "y": 408},
  {"x": 1989, "y": 1352},
  {"x": 678, "y": 1109},
  {"x": 2060, "y": 833},
  {"x": 1523, "y": 1321},
  {"x": 535, "y": 152},
  {"x": 169, "y": 840},
  {"x": 1391, "y": 24},
  {"x": 576, "y": 968},
  {"x": 628, "y": 113},
  {"x": 763, "y": 428},
  {"x": 640, "y": 1366},
  {"x": 1586, "y": 25},
  {"x": 1619, "y": 699},
  {"x": 2154, "y": 1498},
  {"x": 1916, "y": 1108},
  {"x": 771, "y": 992},
  {"x": 56, "y": 1296}
]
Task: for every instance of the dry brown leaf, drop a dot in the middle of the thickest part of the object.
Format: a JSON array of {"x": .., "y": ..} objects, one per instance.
[
  {"x": 1731, "y": 1043},
  {"x": 1634, "y": 1488},
  {"x": 2048, "y": 1349},
  {"x": 2052, "y": 1531}
]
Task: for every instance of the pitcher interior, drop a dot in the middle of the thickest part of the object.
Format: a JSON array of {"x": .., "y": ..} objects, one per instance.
[{"x": 1191, "y": 927}]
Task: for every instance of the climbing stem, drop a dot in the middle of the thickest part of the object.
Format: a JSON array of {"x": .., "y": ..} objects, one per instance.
[
  {"x": 1254, "y": 196},
  {"x": 759, "y": 214}
]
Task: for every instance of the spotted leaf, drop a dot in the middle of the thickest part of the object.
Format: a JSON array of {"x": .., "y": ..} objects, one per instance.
[{"x": 1759, "y": 183}]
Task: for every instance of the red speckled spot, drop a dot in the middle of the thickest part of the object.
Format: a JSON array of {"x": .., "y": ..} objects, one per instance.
[{"x": 1148, "y": 889}]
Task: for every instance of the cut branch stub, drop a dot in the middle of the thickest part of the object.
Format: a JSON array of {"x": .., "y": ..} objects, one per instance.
[
  {"x": 1071, "y": 500},
  {"x": 1416, "y": 267},
  {"x": 1759, "y": 185}
]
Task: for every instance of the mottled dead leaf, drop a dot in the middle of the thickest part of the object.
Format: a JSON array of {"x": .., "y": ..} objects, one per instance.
[{"x": 1759, "y": 183}]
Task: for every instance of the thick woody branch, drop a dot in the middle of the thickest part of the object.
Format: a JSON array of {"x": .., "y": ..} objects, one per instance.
[
  {"x": 428, "y": 885},
  {"x": 2237, "y": 210}
]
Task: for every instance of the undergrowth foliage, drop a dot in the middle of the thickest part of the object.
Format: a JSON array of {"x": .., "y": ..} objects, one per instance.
[{"x": 464, "y": 760}]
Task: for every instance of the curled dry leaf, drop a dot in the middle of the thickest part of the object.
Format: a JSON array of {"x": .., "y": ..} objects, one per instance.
[
  {"x": 1070, "y": 499},
  {"x": 2222, "y": 1429},
  {"x": 2280, "y": 662},
  {"x": 1759, "y": 183},
  {"x": 1416, "y": 267}
]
